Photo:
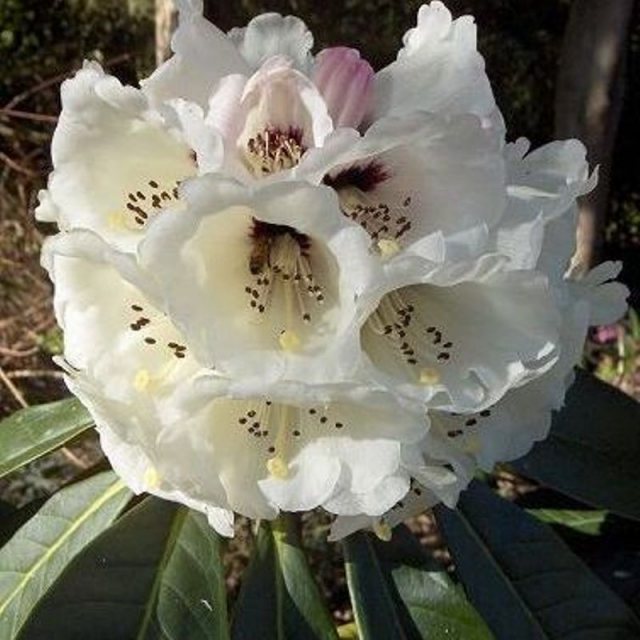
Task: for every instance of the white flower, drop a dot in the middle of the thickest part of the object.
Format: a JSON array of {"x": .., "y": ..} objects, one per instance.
[
  {"x": 262, "y": 282},
  {"x": 462, "y": 340},
  {"x": 425, "y": 185},
  {"x": 117, "y": 161}
]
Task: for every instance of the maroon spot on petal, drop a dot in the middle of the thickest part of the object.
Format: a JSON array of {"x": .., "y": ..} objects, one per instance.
[{"x": 365, "y": 177}]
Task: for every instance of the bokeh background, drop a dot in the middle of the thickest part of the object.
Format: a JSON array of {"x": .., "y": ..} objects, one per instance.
[{"x": 525, "y": 46}]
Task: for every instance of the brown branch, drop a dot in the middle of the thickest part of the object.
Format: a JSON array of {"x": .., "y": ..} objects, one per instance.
[
  {"x": 27, "y": 115},
  {"x": 15, "y": 166},
  {"x": 45, "y": 84}
]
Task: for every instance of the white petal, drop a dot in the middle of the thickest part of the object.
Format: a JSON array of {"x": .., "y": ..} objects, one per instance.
[
  {"x": 438, "y": 70},
  {"x": 415, "y": 501},
  {"x": 508, "y": 430},
  {"x": 47, "y": 210},
  {"x": 374, "y": 502},
  {"x": 607, "y": 300},
  {"x": 202, "y": 56},
  {"x": 119, "y": 338},
  {"x": 199, "y": 134},
  {"x": 270, "y": 34},
  {"x": 542, "y": 187}
]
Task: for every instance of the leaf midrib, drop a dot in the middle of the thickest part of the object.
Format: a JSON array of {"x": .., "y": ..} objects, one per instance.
[
  {"x": 172, "y": 539},
  {"x": 112, "y": 491},
  {"x": 349, "y": 566},
  {"x": 494, "y": 562}
]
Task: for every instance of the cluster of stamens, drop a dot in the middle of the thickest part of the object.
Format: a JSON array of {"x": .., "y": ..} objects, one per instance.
[
  {"x": 381, "y": 220},
  {"x": 143, "y": 324},
  {"x": 275, "y": 425},
  {"x": 280, "y": 256},
  {"x": 378, "y": 219},
  {"x": 463, "y": 423},
  {"x": 146, "y": 202},
  {"x": 272, "y": 150},
  {"x": 415, "y": 341}
]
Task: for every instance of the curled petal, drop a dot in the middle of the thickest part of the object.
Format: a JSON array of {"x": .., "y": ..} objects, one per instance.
[{"x": 271, "y": 34}]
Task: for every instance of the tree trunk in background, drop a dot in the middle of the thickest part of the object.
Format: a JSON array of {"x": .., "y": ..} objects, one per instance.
[
  {"x": 166, "y": 22},
  {"x": 589, "y": 100}
]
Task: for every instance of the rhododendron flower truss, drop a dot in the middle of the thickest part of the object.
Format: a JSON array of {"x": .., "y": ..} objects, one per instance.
[{"x": 287, "y": 281}]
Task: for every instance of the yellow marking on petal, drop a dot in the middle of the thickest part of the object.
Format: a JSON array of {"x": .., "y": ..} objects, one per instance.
[
  {"x": 116, "y": 220},
  {"x": 471, "y": 445},
  {"x": 382, "y": 530},
  {"x": 142, "y": 380},
  {"x": 429, "y": 377},
  {"x": 151, "y": 478},
  {"x": 277, "y": 467},
  {"x": 388, "y": 248},
  {"x": 289, "y": 340}
]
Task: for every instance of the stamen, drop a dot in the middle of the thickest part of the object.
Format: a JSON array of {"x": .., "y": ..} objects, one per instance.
[
  {"x": 402, "y": 327},
  {"x": 143, "y": 204},
  {"x": 141, "y": 380},
  {"x": 272, "y": 150},
  {"x": 279, "y": 261},
  {"x": 151, "y": 479},
  {"x": 429, "y": 377},
  {"x": 383, "y": 221},
  {"x": 289, "y": 340},
  {"x": 278, "y": 468},
  {"x": 382, "y": 530},
  {"x": 388, "y": 248}
]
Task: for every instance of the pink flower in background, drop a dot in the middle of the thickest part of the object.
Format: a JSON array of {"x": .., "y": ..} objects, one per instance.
[{"x": 606, "y": 333}]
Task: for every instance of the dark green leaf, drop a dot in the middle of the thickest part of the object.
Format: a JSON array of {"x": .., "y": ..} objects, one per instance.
[
  {"x": 523, "y": 579},
  {"x": 398, "y": 591},
  {"x": 40, "y": 550},
  {"x": 155, "y": 574},
  {"x": 585, "y": 521},
  {"x": 33, "y": 432},
  {"x": 593, "y": 449},
  {"x": 279, "y": 599}
]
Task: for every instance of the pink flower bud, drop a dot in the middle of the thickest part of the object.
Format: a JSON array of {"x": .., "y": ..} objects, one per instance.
[{"x": 345, "y": 81}]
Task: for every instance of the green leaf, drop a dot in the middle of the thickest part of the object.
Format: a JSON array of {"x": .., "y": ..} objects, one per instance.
[
  {"x": 156, "y": 573},
  {"x": 587, "y": 521},
  {"x": 39, "y": 551},
  {"x": 279, "y": 599},
  {"x": 398, "y": 591},
  {"x": 35, "y": 431},
  {"x": 523, "y": 579},
  {"x": 593, "y": 449}
]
